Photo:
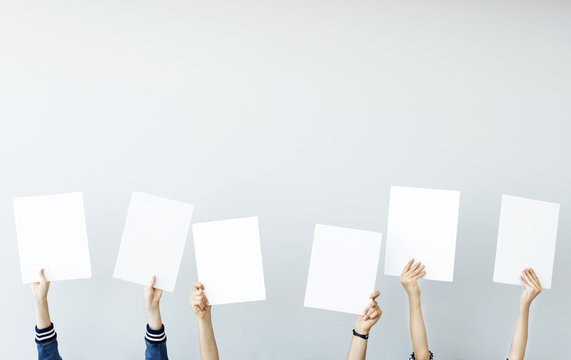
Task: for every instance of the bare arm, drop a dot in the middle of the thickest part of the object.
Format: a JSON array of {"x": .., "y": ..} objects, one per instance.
[
  {"x": 152, "y": 304},
  {"x": 408, "y": 278},
  {"x": 203, "y": 312},
  {"x": 358, "y": 349},
  {"x": 40, "y": 293},
  {"x": 363, "y": 325},
  {"x": 532, "y": 288}
]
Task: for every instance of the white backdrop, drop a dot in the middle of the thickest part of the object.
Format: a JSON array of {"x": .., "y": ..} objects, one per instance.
[{"x": 299, "y": 112}]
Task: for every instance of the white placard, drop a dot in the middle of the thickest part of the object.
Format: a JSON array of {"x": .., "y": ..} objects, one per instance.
[
  {"x": 526, "y": 238},
  {"x": 153, "y": 240},
  {"x": 422, "y": 225},
  {"x": 52, "y": 235},
  {"x": 229, "y": 260},
  {"x": 343, "y": 269}
]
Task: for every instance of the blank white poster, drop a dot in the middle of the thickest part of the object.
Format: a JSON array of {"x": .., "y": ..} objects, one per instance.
[
  {"x": 526, "y": 238},
  {"x": 229, "y": 260},
  {"x": 153, "y": 240},
  {"x": 343, "y": 269},
  {"x": 422, "y": 225},
  {"x": 52, "y": 235}
]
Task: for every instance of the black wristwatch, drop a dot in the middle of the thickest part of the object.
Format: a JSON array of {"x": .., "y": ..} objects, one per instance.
[{"x": 364, "y": 337}]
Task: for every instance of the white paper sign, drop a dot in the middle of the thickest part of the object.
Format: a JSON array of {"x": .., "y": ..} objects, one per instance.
[
  {"x": 52, "y": 235},
  {"x": 343, "y": 269},
  {"x": 153, "y": 240},
  {"x": 229, "y": 260},
  {"x": 422, "y": 225},
  {"x": 526, "y": 238}
]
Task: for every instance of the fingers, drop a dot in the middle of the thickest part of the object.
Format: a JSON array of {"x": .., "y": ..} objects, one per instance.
[
  {"x": 411, "y": 269},
  {"x": 151, "y": 282},
  {"x": 414, "y": 268},
  {"x": 198, "y": 285},
  {"x": 375, "y": 313},
  {"x": 199, "y": 300},
  {"x": 369, "y": 312},
  {"x": 407, "y": 267},
  {"x": 43, "y": 276},
  {"x": 370, "y": 306},
  {"x": 534, "y": 278},
  {"x": 418, "y": 270},
  {"x": 420, "y": 275},
  {"x": 526, "y": 278}
]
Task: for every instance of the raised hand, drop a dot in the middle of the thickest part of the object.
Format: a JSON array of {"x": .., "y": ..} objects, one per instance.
[
  {"x": 40, "y": 289},
  {"x": 371, "y": 315},
  {"x": 152, "y": 304},
  {"x": 531, "y": 286},
  {"x": 199, "y": 302},
  {"x": 202, "y": 309},
  {"x": 409, "y": 276},
  {"x": 40, "y": 292}
]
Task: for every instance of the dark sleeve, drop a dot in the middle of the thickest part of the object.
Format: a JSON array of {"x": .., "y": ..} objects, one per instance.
[
  {"x": 46, "y": 343},
  {"x": 413, "y": 358},
  {"x": 156, "y": 341}
]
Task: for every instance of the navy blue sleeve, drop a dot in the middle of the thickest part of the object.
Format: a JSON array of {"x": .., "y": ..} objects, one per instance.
[
  {"x": 412, "y": 356},
  {"x": 46, "y": 343},
  {"x": 156, "y": 341}
]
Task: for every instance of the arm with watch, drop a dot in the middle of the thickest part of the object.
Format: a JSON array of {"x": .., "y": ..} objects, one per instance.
[{"x": 363, "y": 324}]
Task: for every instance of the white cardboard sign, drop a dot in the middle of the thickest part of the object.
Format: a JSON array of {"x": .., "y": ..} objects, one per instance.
[
  {"x": 52, "y": 235},
  {"x": 153, "y": 240},
  {"x": 526, "y": 238},
  {"x": 343, "y": 269},
  {"x": 229, "y": 260},
  {"x": 422, "y": 225}
]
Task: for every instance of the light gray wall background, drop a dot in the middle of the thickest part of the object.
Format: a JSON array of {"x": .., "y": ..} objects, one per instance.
[{"x": 299, "y": 112}]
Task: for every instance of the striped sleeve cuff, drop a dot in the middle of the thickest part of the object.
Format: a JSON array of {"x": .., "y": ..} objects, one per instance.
[
  {"x": 156, "y": 336},
  {"x": 45, "y": 335}
]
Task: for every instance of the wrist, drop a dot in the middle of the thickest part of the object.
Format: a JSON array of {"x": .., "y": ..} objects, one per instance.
[
  {"x": 361, "y": 330},
  {"x": 524, "y": 305},
  {"x": 204, "y": 319},
  {"x": 153, "y": 310},
  {"x": 155, "y": 323},
  {"x": 41, "y": 301},
  {"x": 414, "y": 298}
]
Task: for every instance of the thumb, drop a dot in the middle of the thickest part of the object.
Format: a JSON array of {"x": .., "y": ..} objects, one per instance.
[
  {"x": 43, "y": 276},
  {"x": 151, "y": 281}
]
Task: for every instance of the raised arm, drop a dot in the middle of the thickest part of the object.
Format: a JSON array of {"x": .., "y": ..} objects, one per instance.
[
  {"x": 203, "y": 311},
  {"x": 46, "y": 337},
  {"x": 531, "y": 288},
  {"x": 363, "y": 325},
  {"x": 408, "y": 278},
  {"x": 155, "y": 337}
]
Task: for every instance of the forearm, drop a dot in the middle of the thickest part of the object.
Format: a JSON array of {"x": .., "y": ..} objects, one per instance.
[
  {"x": 417, "y": 329},
  {"x": 358, "y": 349},
  {"x": 519, "y": 341},
  {"x": 208, "y": 348},
  {"x": 42, "y": 313},
  {"x": 154, "y": 318}
]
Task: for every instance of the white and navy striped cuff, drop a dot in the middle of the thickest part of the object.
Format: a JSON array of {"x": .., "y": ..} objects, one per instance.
[
  {"x": 45, "y": 335},
  {"x": 156, "y": 336}
]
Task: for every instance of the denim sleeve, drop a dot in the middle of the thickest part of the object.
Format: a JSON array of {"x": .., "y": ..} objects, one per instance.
[
  {"x": 46, "y": 343},
  {"x": 156, "y": 342}
]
